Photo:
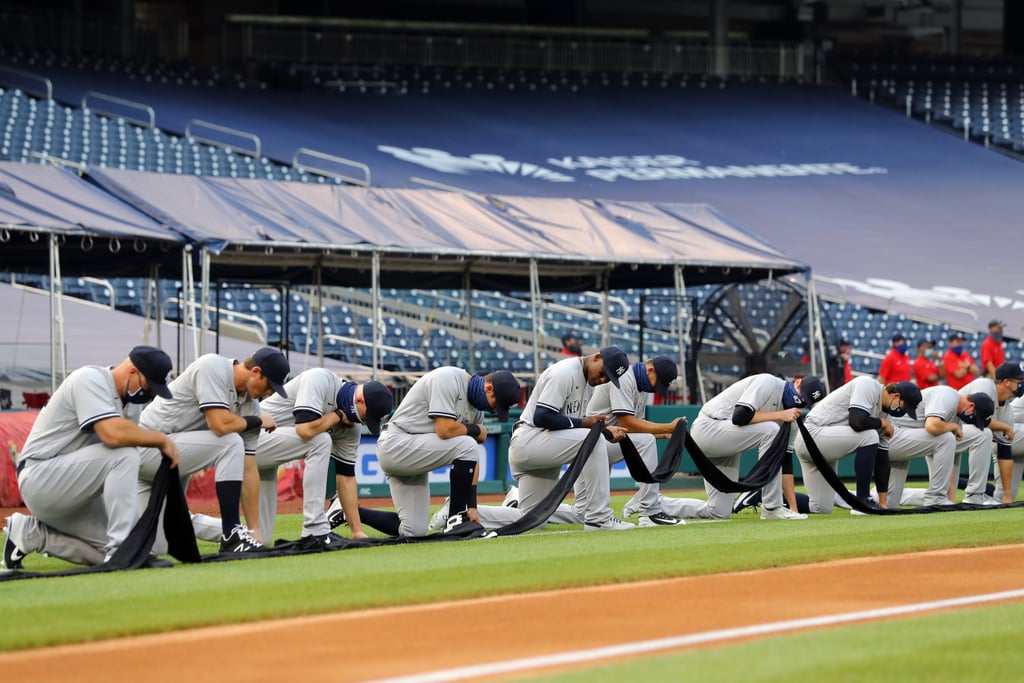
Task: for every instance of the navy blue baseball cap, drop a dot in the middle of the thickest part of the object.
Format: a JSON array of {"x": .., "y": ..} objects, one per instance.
[
  {"x": 910, "y": 394},
  {"x": 379, "y": 403},
  {"x": 155, "y": 365},
  {"x": 984, "y": 408},
  {"x": 274, "y": 367},
  {"x": 665, "y": 371},
  {"x": 507, "y": 392},
  {"x": 616, "y": 363},
  {"x": 812, "y": 390}
]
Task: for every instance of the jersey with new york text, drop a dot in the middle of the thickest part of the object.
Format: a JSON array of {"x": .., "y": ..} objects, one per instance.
[
  {"x": 443, "y": 392},
  {"x": 66, "y": 422},
  {"x": 562, "y": 388},
  {"x": 861, "y": 392}
]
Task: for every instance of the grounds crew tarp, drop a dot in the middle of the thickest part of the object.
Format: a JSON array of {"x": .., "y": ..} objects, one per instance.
[{"x": 317, "y": 219}]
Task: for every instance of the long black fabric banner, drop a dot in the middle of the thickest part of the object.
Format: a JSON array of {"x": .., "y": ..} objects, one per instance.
[
  {"x": 855, "y": 503},
  {"x": 760, "y": 474},
  {"x": 134, "y": 552}
]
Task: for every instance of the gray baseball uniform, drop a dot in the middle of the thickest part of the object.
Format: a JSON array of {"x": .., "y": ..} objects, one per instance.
[
  {"x": 611, "y": 402},
  {"x": 828, "y": 423},
  {"x": 977, "y": 442},
  {"x": 536, "y": 455},
  {"x": 207, "y": 383},
  {"x": 80, "y": 491},
  {"x": 910, "y": 440},
  {"x": 409, "y": 448},
  {"x": 315, "y": 391},
  {"x": 723, "y": 442},
  {"x": 1012, "y": 412}
]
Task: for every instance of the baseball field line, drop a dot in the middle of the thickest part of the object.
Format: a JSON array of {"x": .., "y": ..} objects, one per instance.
[{"x": 590, "y": 656}]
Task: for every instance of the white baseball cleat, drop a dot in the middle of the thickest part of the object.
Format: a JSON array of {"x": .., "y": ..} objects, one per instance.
[
  {"x": 511, "y": 498},
  {"x": 781, "y": 513},
  {"x": 335, "y": 513},
  {"x": 14, "y": 541},
  {"x": 613, "y": 524},
  {"x": 439, "y": 518}
]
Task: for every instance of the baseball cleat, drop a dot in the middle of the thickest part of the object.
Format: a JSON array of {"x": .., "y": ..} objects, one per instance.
[
  {"x": 240, "y": 540},
  {"x": 511, "y": 497},
  {"x": 335, "y": 515},
  {"x": 781, "y": 513},
  {"x": 440, "y": 518},
  {"x": 747, "y": 499},
  {"x": 14, "y": 541},
  {"x": 613, "y": 524},
  {"x": 868, "y": 502},
  {"x": 319, "y": 543},
  {"x": 659, "y": 519},
  {"x": 980, "y": 499}
]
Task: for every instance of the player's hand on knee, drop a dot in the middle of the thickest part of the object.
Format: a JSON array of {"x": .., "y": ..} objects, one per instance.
[{"x": 169, "y": 450}]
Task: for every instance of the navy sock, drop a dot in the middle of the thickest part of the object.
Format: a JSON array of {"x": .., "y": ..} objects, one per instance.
[
  {"x": 229, "y": 495},
  {"x": 882, "y": 470},
  {"x": 461, "y": 478},
  {"x": 864, "y": 467},
  {"x": 803, "y": 503},
  {"x": 382, "y": 520}
]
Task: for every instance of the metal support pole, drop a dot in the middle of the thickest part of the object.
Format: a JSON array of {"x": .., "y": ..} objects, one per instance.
[
  {"x": 535, "y": 313},
  {"x": 467, "y": 293},
  {"x": 683, "y": 317},
  {"x": 204, "y": 308},
  {"x": 58, "y": 362},
  {"x": 375, "y": 302}
]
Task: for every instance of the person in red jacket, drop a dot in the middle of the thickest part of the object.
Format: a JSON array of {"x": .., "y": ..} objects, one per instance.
[
  {"x": 960, "y": 367},
  {"x": 992, "y": 353},
  {"x": 927, "y": 372},
  {"x": 896, "y": 364}
]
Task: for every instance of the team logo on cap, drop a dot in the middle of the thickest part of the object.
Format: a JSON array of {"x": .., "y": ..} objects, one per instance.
[
  {"x": 619, "y": 371},
  {"x": 816, "y": 394}
]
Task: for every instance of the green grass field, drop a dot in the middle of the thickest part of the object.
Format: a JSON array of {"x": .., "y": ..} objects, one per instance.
[
  {"x": 965, "y": 645},
  {"x": 63, "y": 610}
]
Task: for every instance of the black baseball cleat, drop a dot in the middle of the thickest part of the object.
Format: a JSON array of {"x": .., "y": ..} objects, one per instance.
[
  {"x": 748, "y": 499},
  {"x": 335, "y": 514},
  {"x": 320, "y": 543},
  {"x": 240, "y": 541},
  {"x": 659, "y": 519}
]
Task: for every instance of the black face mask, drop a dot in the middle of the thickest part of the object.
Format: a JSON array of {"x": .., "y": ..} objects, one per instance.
[
  {"x": 574, "y": 348},
  {"x": 896, "y": 412},
  {"x": 967, "y": 418},
  {"x": 1019, "y": 391},
  {"x": 139, "y": 397}
]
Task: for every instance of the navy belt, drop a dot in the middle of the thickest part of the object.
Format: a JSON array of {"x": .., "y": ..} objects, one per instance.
[{"x": 19, "y": 467}]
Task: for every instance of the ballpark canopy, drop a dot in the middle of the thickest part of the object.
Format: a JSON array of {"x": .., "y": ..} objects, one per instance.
[{"x": 267, "y": 229}]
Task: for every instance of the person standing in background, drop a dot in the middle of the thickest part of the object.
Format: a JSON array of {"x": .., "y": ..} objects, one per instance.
[
  {"x": 896, "y": 364},
  {"x": 841, "y": 372},
  {"x": 926, "y": 372},
  {"x": 571, "y": 345},
  {"x": 992, "y": 353},
  {"x": 960, "y": 367}
]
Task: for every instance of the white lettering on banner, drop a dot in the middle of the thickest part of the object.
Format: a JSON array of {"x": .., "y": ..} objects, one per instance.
[
  {"x": 638, "y": 167},
  {"x": 439, "y": 160}
]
